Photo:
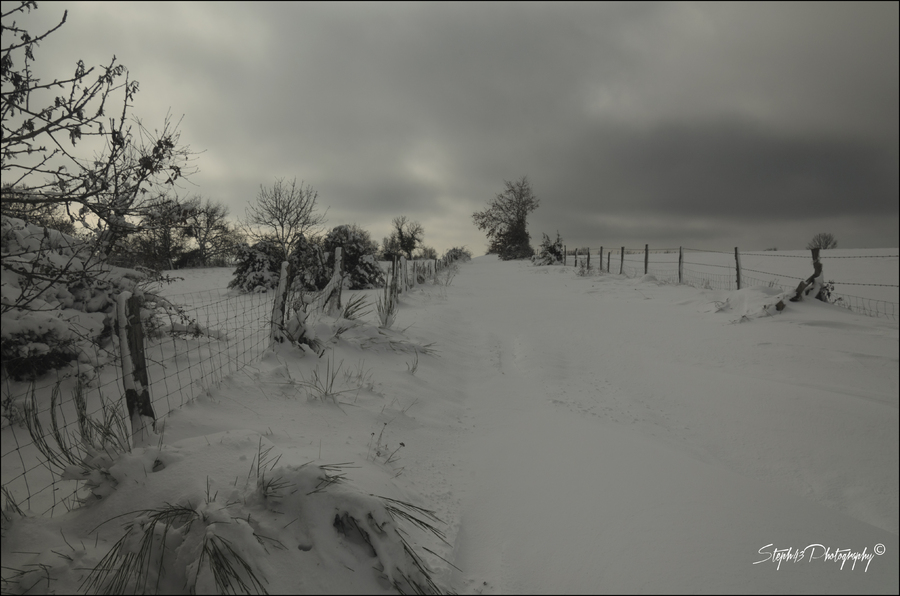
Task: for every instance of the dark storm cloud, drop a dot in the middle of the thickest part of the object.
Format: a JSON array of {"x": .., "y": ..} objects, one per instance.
[
  {"x": 724, "y": 169},
  {"x": 632, "y": 120}
]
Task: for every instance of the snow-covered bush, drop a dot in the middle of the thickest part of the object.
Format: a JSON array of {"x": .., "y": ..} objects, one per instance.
[
  {"x": 550, "y": 253},
  {"x": 358, "y": 256},
  {"x": 458, "y": 253},
  {"x": 311, "y": 267},
  {"x": 58, "y": 298},
  {"x": 258, "y": 267}
]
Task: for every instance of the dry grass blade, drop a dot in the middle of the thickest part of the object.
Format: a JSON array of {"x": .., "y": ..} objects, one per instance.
[
  {"x": 356, "y": 308},
  {"x": 229, "y": 568},
  {"x": 124, "y": 571},
  {"x": 414, "y": 515}
]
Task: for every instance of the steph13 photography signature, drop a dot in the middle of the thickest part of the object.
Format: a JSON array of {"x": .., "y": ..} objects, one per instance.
[{"x": 820, "y": 553}]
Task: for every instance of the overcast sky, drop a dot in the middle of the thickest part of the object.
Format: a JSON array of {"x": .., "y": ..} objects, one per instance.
[{"x": 676, "y": 124}]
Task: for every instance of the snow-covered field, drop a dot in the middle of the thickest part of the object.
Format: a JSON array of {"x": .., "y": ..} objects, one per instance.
[{"x": 596, "y": 434}]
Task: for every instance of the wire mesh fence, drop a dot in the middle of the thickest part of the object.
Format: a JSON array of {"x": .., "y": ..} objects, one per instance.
[{"x": 193, "y": 342}]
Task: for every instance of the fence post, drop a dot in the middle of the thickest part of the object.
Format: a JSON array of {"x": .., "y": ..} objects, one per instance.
[
  {"x": 404, "y": 273},
  {"x": 622, "y": 261},
  {"x": 737, "y": 262},
  {"x": 646, "y": 257},
  {"x": 134, "y": 368},
  {"x": 588, "y": 266},
  {"x": 576, "y": 257},
  {"x": 276, "y": 335},
  {"x": 680, "y": 265},
  {"x": 601, "y": 261},
  {"x": 395, "y": 281},
  {"x": 333, "y": 306},
  {"x": 565, "y": 255}
]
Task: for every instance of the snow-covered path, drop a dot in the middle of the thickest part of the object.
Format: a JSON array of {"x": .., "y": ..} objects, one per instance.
[{"x": 596, "y": 459}]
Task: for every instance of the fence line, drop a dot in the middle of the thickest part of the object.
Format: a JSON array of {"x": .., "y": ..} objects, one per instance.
[
  {"x": 193, "y": 341},
  {"x": 710, "y": 273}
]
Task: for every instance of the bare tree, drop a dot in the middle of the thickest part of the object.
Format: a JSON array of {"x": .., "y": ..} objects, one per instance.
[
  {"x": 427, "y": 252},
  {"x": 38, "y": 145},
  {"x": 505, "y": 220},
  {"x": 163, "y": 236},
  {"x": 215, "y": 237},
  {"x": 823, "y": 241},
  {"x": 283, "y": 213},
  {"x": 42, "y": 124}
]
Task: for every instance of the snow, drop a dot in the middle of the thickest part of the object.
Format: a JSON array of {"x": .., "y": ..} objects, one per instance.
[{"x": 574, "y": 434}]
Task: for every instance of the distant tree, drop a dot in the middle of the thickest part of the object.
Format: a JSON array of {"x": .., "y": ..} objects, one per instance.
[
  {"x": 283, "y": 214},
  {"x": 217, "y": 240},
  {"x": 426, "y": 252},
  {"x": 823, "y": 241},
  {"x": 505, "y": 220},
  {"x": 406, "y": 235},
  {"x": 163, "y": 238}
]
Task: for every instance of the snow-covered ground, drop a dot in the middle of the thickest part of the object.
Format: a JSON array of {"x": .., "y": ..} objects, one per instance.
[{"x": 593, "y": 434}]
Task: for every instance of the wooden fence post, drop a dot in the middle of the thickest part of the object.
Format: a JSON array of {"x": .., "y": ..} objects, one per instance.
[
  {"x": 646, "y": 257},
  {"x": 588, "y": 266},
  {"x": 565, "y": 255},
  {"x": 622, "y": 261},
  {"x": 601, "y": 261},
  {"x": 276, "y": 335},
  {"x": 680, "y": 265},
  {"x": 395, "y": 278},
  {"x": 737, "y": 262},
  {"x": 333, "y": 306},
  {"x": 134, "y": 368}
]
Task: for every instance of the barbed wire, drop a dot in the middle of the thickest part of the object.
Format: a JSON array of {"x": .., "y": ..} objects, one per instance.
[
  {"x": 758, "y": 254},
  {"x": 850, "y": 283},
  {"x": 770, "y": 273},
  {"x": 867, "y": 257}
]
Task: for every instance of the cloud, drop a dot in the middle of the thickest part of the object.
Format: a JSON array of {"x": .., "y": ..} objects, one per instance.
[{"x": 706, "y": 117}]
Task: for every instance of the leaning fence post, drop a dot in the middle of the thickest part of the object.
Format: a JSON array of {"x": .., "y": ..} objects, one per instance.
[
  {"x": 134, "y": 368},
  {"x": 737, "y": 262},
  {"x": 622, "y": 261},
  {"x": 276, "y": 335},
  {"x": 680, "y": 265}
]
